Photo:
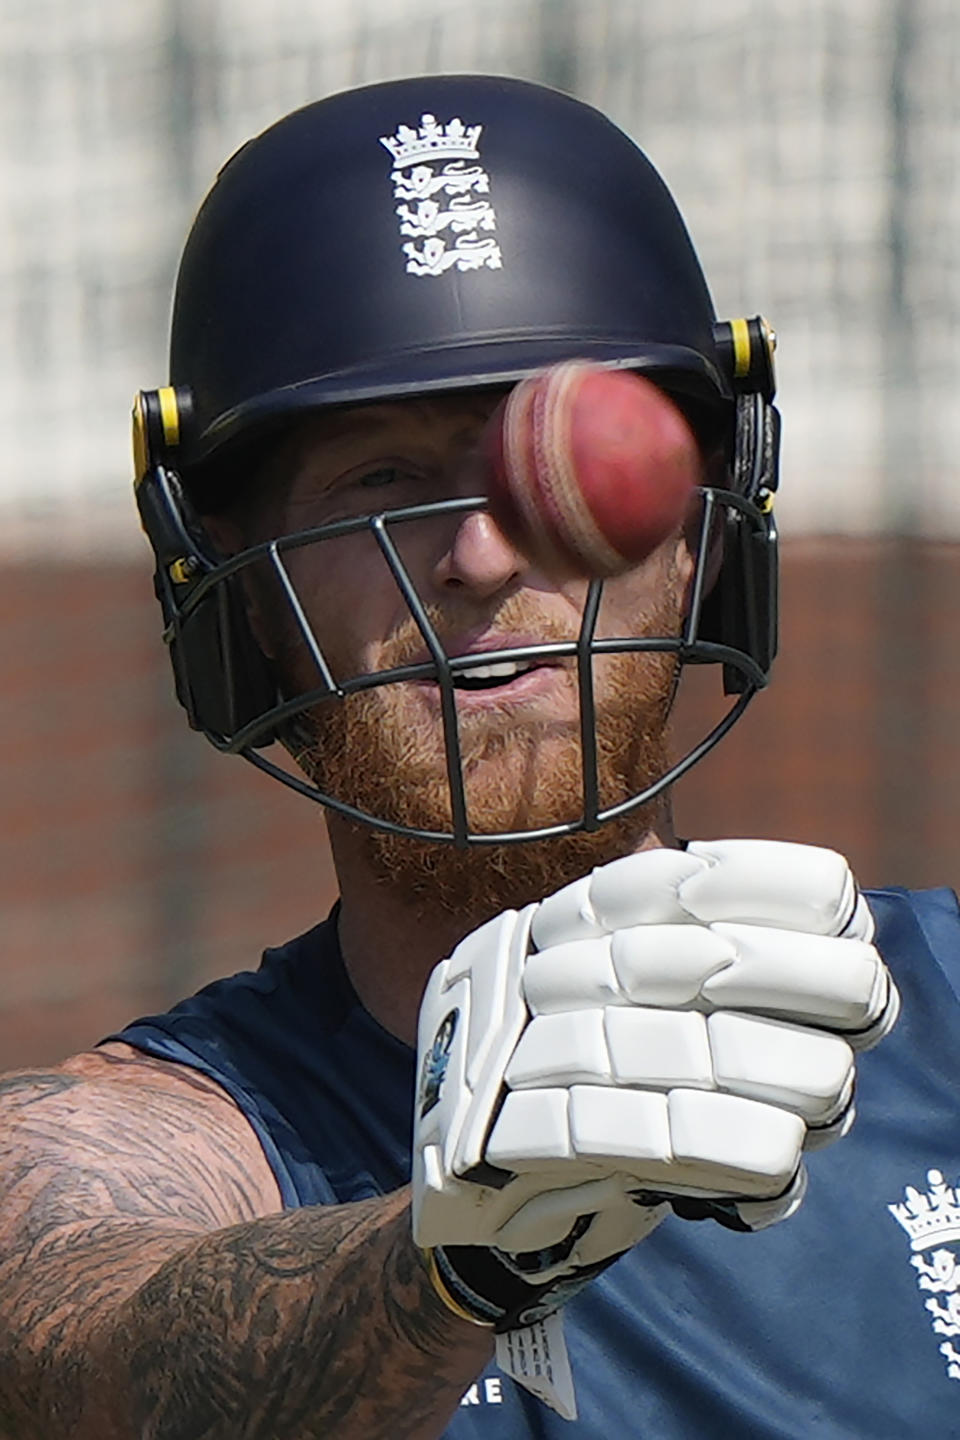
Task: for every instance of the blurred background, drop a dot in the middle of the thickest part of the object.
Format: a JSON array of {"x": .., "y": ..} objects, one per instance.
[{"x": 813, "y": 148}]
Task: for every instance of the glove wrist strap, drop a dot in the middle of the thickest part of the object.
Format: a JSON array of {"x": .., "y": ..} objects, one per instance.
[
  {"x": 484, "y": 1285},
  {"x": 447, "y": 1288},
  {"x": 477, "y": 1283}
]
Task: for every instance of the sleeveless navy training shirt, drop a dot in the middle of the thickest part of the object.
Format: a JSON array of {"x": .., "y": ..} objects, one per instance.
[{"x": 843, "y": 1323}]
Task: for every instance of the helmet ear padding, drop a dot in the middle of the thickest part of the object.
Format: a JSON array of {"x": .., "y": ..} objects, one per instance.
[
  {"x": 223, "y": 679},
  {"x": 741, "y": 610},
  {"x": 228, "y": 678}
]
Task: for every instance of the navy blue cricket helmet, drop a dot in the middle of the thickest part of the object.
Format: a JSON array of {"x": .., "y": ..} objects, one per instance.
[{"x": 424, "y": 235}]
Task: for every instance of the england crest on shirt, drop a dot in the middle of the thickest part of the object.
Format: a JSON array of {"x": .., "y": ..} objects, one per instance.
[{"x": 932, "y": 1221}]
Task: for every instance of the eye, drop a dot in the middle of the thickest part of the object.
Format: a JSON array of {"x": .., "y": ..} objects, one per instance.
[{"x": 386, "y": 475}]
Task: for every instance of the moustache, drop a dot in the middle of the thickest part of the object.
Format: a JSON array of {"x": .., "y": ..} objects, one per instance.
[{"x": 517, "y": 616}]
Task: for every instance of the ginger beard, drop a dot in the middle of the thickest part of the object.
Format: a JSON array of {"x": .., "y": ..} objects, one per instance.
[{"x": 378, "y": 751}]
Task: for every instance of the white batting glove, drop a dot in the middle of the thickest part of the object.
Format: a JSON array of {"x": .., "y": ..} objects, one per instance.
[{"x": 672, "y": 1030}]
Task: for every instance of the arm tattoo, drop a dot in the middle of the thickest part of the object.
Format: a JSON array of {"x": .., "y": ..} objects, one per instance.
[
  {"x": 148, "y": 1287},
  {"x": 31, "y": 1087},
  {"x": 333, "y": 1330}
]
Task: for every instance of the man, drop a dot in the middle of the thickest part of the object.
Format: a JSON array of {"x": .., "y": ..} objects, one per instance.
[{"x": 207, "y": 1225}]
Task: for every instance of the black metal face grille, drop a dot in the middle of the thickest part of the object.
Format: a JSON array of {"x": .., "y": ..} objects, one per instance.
[{"x": 207, "y": 581}]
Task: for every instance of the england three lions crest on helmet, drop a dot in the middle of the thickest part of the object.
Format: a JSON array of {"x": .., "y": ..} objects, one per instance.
[{"x": 434, "y": 202}]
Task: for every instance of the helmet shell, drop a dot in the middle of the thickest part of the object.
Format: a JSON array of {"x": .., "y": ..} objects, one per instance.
[{"x": 504, "y": 227}]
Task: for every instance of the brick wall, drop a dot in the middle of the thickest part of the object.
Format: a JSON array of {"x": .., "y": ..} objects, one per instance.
[{"x": 135, "y": 863}]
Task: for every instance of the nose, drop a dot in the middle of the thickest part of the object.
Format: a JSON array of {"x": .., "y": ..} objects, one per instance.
[{"x": 479, "y": 559}]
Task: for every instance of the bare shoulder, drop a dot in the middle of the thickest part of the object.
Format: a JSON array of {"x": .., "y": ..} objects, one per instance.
[
  {"x": 110, "y": 1163},
  {"x": 165, "y": 1139}
]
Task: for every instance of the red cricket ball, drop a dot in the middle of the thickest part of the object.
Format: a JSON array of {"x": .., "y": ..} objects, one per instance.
[{"x": 589, "y": 469}]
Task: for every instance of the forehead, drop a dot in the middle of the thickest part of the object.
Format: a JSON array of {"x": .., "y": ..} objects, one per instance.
[{"x": 419, "y": 416}]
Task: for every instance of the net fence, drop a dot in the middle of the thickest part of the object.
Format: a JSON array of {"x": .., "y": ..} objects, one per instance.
[{"x": 812, "y": 147}]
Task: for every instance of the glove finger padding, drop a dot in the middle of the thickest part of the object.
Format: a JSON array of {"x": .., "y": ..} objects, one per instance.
[
  {"x": 772, "y": 882},
  {"x": 758, "y": 882},
  {"x": 692, "y": 1142},
  {"x": 795, "y": 1068},
  {"x": 663, "y": 965},
  {"x": 637, "y": 890},
  {"x": 811, "y": 979},
  {"x": 839, "y": 984}
]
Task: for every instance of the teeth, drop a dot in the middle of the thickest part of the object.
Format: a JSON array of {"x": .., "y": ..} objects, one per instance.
[{"x": 503, "y": 670}]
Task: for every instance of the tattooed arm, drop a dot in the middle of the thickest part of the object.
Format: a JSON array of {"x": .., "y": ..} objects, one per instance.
[{"x": 151, "y": 1288}]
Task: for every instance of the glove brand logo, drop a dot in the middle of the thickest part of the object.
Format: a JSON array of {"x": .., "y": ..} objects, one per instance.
[
  {"x": 435, "y": 1063},
  {"x": 933, "y": 1219},
  {"x": 445, "y": 208}
]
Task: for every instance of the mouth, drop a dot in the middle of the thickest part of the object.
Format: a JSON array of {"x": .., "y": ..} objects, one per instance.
[
  {"x": 537, "y": 688},
  {"x": 498, "y": 672},
  {"x": 480, "y": 677},
  {"x": 499, "y": 675}
]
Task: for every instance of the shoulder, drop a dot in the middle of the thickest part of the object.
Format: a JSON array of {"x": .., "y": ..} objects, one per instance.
[
  {"x": 111, "y": 1165},
  {"x": 915, "y": 926},
  {"x": 935, "y": 911},
  {"x": 147, "y": 1128},
  {"x": 292, "y": 982}
]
